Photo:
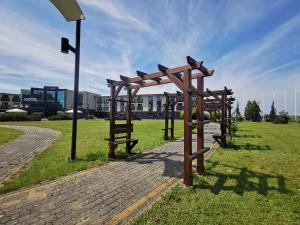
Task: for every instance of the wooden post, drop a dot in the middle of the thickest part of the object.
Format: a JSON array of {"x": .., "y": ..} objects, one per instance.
[
  {"x": 229, "y": 116},
  {"x": 111, "y": 152},
  {"x": 128, "y": 120},
  {"x": 167, "y": 118},
  {"x": 188, "y": 175},
  {"x": 200, "y": 126},
  {"x": 172, "y": 120}
]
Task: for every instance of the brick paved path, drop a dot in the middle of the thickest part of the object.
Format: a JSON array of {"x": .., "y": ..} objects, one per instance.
[
  {"x": 16, "y": 153},
  {"x": 96, "y": 195}
]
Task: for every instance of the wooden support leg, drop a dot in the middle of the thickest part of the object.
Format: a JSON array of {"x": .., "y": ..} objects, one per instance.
[
  {"x": 188, "y": 173},
  {"x": 128, "y": 120},
  {"x": 172, "y": 122},
  {"x": 200, "y": 126},
  {"x": 112, "y": 147},
  {"x": 166, "y": 136}
]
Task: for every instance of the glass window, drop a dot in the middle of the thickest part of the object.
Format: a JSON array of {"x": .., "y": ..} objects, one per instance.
[
  {"x": 122, "y": 105},
  {"x": 140, "y": 107},
  {"x": 80, "y": 99},
  {"x": 150, "y": 103},
  {"x": 38, "y": 94},
  {"x": 179, "y": 106},
  {"x": 132, "y": 107},
  {"x": 158, "y": 103},
  {"x": 139, "y": 99},
  {"x": 61, "y": 99}
]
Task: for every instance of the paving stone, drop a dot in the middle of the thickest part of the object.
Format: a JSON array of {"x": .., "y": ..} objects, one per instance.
[{"x": 17, "y": 152}]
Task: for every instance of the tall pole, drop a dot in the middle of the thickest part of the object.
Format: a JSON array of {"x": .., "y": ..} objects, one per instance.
[
  {"x": 285, "y": 99},
  {"x": 76, "y": 84},
  {"x": 263, "y": 104},
  {"x": 295, "y": 104}
]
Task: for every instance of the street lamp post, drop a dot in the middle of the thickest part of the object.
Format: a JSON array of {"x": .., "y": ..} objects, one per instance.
[{"x": 72, "y": 12}]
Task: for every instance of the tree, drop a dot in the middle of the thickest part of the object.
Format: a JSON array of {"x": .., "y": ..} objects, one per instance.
[
  {"x": 238, "y": 115},
  {"x": 272, "y": 115},
  {"x": 252, "y": 111}
]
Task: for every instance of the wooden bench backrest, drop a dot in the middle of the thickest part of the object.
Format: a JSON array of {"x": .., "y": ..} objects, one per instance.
[{"x": 122, "y": 128}]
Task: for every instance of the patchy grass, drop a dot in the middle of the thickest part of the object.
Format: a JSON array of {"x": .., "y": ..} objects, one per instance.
[
  {"x": 256, "y": 181},
  {"x": 91, "y": 148},
  {"x": 7, "y": 135}
]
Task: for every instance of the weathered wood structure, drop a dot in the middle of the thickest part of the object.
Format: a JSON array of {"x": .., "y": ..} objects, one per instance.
[
  {"x": 171, "y": 101},
  {"x": 182, "y": 77},
  {"x": 221, "y": 105}
]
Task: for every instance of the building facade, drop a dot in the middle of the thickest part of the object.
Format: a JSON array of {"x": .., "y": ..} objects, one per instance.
[
  {"x": 50, "y": 100},
  {"x": 144, "y": 106},
  {"x": 8, "y": 101}
]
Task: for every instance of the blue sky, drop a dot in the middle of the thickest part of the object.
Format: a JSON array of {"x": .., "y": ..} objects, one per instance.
[{"x": 253, "y": 45}]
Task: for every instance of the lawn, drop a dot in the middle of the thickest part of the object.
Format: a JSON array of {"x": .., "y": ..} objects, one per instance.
[
  {"x": 7, "y": 134},
  {"x": 257, "y": 181},
  {"x": 91, "y": 148}
]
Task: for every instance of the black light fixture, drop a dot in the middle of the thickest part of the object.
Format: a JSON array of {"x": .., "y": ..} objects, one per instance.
[{"x": 72, "y": 12}]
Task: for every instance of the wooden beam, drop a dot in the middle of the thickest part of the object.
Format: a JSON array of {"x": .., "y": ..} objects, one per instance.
[
  {"x": 118, "y": 90},
  {"x": 135, "y": 92},
  {"x": 176, "y": 70}
]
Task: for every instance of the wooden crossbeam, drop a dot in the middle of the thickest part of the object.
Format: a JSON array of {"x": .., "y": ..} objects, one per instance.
[
  {"x": 118, "y": 90},
  {"x": 135, "y": 92},
  {"x": 156, "y": 79},
  {"x": 194, "y": 65},
  {"x": 140, "y": 73},
  {"x": 111, "y": 82},
  {"x": 213, "y": 94}
]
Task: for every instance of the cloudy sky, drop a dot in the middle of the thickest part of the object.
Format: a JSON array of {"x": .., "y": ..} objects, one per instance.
[{"x": 254, "y": 46}]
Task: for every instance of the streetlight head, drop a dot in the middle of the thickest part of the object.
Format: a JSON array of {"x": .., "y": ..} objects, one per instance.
[
  {"x": 65, "y": 46},
  {"x": 69, "y": 9}
]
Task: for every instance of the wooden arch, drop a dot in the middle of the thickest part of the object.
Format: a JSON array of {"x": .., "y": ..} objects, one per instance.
[
  {"x": 182, "y": 77},
  {"x": 222, "y": 103}
]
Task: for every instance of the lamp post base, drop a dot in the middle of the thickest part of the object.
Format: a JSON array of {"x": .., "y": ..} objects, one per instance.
[{"x": 71, "y": 160}]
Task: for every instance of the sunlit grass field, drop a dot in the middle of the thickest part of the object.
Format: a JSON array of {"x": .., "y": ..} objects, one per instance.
[
  {"x": 91, "y": 148},
  {"x": 7, "y": 135},
  {"x": 256, "y": 181}
]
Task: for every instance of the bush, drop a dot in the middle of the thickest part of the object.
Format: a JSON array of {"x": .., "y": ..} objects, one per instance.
[
  {"x": 10, "y": 117},
  {"x": 62, "y": 116},
  {"x": 282, "y": 118},
  {"x": 206, "y": 115},
  {"x": 90, "y": 117},
  {"x": 267, "y": 118}
]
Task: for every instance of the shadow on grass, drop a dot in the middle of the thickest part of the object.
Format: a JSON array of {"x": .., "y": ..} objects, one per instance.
[
  {"x": 248, "y": 146},
  {"x": 240, "y": 181},
  {"x": 247, "y": 136}
]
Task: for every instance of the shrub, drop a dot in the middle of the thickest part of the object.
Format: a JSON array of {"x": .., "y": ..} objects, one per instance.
[
  {"x": 9, "y": 117},
  {"x": 267, "y": 118},
  {"x": 62, "y": 116},
  {"x": 282, "y": 118},
  {"x": 90, "y": 117}
]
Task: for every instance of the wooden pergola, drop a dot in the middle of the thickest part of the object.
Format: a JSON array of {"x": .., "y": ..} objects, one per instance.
[
  {"x": 171, "y": 101},
  {"x": 182, "y": 77},
  {"x": 221, "y": 103}
]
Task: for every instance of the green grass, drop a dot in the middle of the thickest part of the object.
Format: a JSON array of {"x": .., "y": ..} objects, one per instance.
[
  {"x": 257, "y": 181},
  {"x": 7, "y": 134},
  {"x": 91, "y": 148}
]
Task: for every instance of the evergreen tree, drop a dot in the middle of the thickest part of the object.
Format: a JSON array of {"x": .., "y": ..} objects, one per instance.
[
  {"x": 272, "y": 115},
  {"x": 252, "y": 111},
  {"x": 238, "y": 115}
]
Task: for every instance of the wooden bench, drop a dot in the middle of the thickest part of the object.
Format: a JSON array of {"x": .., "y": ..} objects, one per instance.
[
  {"x": 117, "y": 140},
  {"x": 221, "y": 140}
]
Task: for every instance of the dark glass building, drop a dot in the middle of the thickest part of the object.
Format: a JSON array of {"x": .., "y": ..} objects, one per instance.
[{"x": 48, "y": 100}]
